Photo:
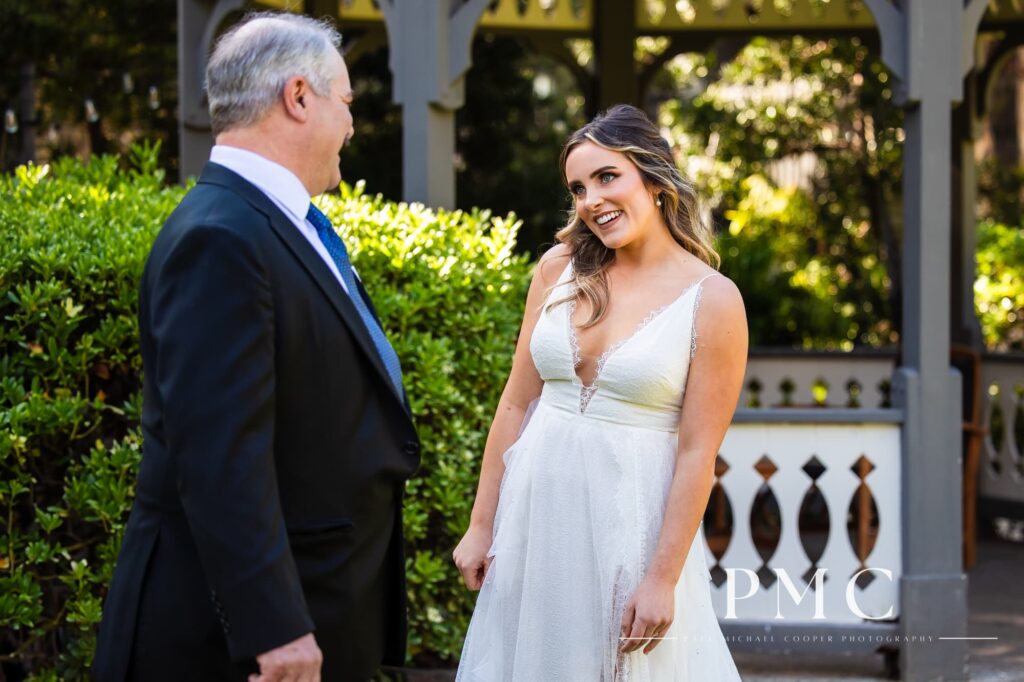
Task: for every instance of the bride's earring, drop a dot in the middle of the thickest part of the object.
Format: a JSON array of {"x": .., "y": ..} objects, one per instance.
[{"x": 657, "y": 200}]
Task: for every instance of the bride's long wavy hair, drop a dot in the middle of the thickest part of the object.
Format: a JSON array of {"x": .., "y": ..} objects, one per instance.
[{"x": 626, "y": 129}]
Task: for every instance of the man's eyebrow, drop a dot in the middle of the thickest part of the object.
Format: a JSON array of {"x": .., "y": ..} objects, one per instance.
[
  {"x": 600, "y": 170},
  {"x": 350, "y": 95}
]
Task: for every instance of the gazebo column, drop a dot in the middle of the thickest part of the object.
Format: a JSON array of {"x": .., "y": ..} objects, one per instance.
[
  {"x": 430, "y": 43},
  {"x": 197, "y": 27},
  {"x": 916, "y": 41},
  {"x": 933, "y": 587},
  {"x": 614, "y": 39},
  {"x": 966, "y": 328}
]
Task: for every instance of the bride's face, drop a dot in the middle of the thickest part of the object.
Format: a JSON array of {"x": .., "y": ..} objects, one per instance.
[{"x": 609, "y": 194}]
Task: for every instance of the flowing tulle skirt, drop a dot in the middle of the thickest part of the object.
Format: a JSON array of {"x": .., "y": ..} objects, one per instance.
[{"x": 578, "y": 519}]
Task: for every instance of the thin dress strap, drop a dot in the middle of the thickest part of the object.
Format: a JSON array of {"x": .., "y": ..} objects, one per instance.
[{"x": 696, "y": 304}]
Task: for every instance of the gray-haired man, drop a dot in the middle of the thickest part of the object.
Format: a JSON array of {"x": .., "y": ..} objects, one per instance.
[{"x": 266, "y": 536}]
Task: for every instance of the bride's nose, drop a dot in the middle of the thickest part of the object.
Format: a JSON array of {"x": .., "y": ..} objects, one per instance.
[{"x": 594, "y": 203}]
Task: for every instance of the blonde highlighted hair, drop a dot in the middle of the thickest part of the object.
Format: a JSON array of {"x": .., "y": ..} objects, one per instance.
[{"x": 626, "y": 129}]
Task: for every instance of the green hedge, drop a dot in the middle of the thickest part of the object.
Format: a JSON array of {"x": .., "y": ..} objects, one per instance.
[{"x": 75, "y": 238}]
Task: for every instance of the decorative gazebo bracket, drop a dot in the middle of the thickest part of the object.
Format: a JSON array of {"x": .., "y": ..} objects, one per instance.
[
  {"x": 892, "y": 26},
  {"x": 431, "y": 43}
]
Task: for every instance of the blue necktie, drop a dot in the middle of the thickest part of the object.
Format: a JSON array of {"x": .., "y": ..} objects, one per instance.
[{"x": 336, "y": 247}]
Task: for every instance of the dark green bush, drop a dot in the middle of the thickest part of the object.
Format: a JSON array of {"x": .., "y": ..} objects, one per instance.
[{"x": 75, "y": 239}]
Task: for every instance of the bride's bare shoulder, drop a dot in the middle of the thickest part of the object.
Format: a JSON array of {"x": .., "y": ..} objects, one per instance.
[
  {"x": 552, "y": 264},
  {"x": 722, "y": 301}
]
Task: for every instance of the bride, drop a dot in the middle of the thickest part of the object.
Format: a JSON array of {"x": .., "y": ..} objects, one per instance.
[{"x": 585, "y": 539}]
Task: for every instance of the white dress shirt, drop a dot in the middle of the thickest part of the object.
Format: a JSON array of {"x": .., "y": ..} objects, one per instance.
[{"x": 283, "y": 188}]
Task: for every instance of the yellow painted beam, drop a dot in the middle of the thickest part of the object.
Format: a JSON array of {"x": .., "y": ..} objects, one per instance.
[
  {"x": 552, "y": 15},
  {"x": 661, "y": 16},
  {"x": 740, "y": 15},
  {"x": 286, "y": 5},
  {"x": 358, "y": 10}
]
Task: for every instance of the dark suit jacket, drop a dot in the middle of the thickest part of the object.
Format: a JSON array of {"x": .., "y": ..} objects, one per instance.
[{"x": 275, "y": 455}]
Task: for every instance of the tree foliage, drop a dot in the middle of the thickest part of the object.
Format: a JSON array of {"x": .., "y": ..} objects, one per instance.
[
  {"x": 111, "y": 52},
  {"x": 998, "y": 289},
  {"x": 820, "y": 253}
]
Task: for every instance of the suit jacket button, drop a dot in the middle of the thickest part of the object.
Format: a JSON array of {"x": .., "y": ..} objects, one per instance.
[{"x": 412, "y": 448}]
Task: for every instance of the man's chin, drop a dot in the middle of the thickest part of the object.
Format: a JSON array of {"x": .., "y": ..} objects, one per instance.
[{"x": 333, "y": 182}]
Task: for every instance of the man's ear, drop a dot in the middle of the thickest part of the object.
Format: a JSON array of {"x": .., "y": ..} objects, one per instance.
[{"x": 296, "y": 98}]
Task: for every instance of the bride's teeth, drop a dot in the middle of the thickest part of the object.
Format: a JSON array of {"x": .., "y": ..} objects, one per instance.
[{"x": 605, "y": 218}]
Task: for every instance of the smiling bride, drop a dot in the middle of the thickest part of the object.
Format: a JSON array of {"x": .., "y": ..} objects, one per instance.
[{"x": 585, "y": 539}]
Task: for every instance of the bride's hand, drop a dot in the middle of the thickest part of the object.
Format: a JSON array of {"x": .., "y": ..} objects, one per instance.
[
  {"x": 648, "y": 616},
  {"x": 471, "y": 556}
]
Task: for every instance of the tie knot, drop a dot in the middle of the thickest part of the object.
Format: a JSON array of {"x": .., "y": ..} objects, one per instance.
[{"x": 316, "y": 216}]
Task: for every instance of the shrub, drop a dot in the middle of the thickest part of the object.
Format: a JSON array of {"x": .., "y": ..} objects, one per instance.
[
  {"x": 75, "y": 240},
  {"x": 447, "y": 285}
]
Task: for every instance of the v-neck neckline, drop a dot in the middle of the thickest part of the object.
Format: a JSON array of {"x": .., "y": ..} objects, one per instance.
[{"x": 588, "y": 390}]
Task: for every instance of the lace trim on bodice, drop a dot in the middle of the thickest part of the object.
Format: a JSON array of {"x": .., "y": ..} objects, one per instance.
[{"x": 587, "y": 391}]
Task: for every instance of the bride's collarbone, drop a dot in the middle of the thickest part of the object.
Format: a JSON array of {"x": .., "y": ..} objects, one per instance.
[
  {"x": 624, "y": 311},
  {"x": 627, "y": 311},
  {"x": 621, "y": 320}
]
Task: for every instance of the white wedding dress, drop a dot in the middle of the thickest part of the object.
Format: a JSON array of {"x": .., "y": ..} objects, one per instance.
[{"x": 580, "y": 511}]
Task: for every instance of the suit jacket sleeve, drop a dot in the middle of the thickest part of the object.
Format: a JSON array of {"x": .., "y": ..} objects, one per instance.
[{"x": 213, "y": 326}]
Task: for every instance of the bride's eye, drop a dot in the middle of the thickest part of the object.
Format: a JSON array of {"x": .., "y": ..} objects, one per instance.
[{"x": 607, "y": 177}]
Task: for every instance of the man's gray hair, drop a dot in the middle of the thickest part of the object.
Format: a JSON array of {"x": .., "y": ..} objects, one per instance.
[{"x": 252, "y": 62}]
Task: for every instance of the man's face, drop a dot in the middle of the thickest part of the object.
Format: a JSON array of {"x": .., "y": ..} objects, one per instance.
[{"x": 332, "y": 126}]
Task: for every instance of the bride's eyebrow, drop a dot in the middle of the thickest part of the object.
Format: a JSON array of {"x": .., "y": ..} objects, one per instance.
[{"x": 600, "y": 170}]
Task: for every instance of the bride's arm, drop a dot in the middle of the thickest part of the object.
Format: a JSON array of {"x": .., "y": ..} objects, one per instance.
[
  {"x": 713, "y": 387},
  {"x": 523, "y": 386}
]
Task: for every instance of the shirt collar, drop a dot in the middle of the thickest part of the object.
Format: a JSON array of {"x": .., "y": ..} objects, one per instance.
[{"x": 271, "y": 178}]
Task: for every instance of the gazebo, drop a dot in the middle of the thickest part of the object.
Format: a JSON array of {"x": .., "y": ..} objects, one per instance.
[{"x": 885, "y": 453}]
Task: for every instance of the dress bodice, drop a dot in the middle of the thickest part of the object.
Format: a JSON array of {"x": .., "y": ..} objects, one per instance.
[{"x": 639, "y": 381}]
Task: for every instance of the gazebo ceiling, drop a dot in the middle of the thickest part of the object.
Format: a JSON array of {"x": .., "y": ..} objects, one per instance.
[{"x": 677, "y": 16}]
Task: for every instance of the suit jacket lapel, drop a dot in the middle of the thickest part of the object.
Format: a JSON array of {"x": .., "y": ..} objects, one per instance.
[{"x": 311, "y": 262}]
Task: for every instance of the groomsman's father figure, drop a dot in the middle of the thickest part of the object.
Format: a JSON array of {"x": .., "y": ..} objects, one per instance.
[{"x": 266, "y": 536}]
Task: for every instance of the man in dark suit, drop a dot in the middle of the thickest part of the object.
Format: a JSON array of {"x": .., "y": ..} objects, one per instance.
[{"x": 266, "y": 536}]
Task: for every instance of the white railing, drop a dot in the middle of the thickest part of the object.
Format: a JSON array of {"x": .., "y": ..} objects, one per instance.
[
  {"x": 842, "y": 479},
  {"x": 783, "y": 378},
  {"x": 1001, "y": 466}
]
